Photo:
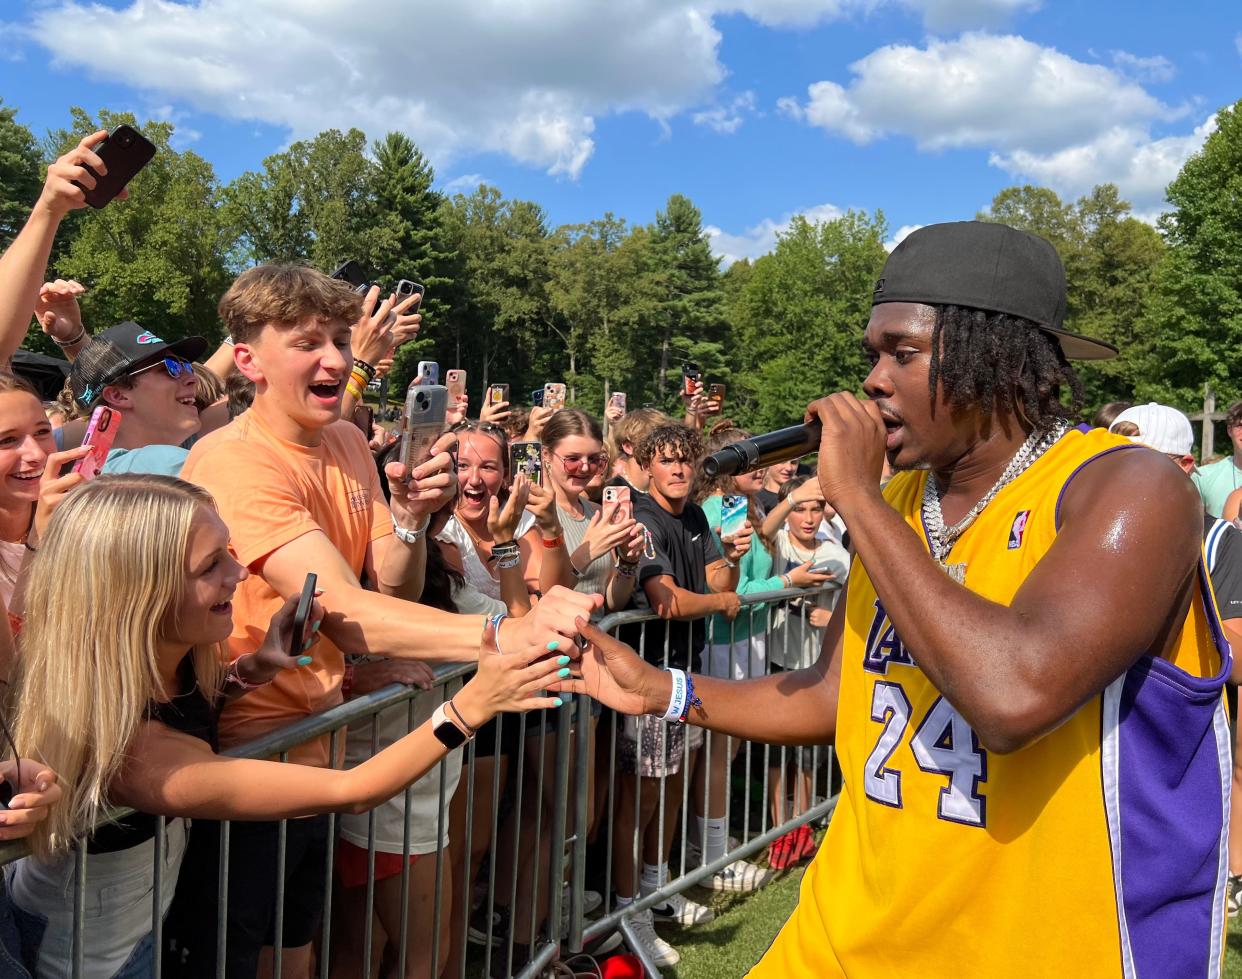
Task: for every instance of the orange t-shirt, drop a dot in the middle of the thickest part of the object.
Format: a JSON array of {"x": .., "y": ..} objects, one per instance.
[{"x": 271, "y": 492}]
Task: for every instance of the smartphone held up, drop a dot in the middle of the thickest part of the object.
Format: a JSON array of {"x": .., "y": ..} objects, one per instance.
[
  {"x": 124, "y": 153},
  {"x": 733, "y": 510},
  {"x": 422, "y": 422},
  {"x": 100, "y": 435},
  {"x": 526, "y": 458},
  {"x": 620, "y": 495}
]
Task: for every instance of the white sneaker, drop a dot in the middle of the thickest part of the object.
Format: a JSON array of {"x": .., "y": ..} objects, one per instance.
[
  {"x": 739, "y": 877},
  {"x": 591, "y": 900},
  {"x": 656, "y": 948},
  {"x": 680, "y": 910}
]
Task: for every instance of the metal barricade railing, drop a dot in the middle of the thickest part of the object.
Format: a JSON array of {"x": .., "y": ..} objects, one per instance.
[{"x": 537, "y": 829}]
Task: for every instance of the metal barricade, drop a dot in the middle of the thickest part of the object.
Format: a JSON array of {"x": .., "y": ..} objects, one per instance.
[{"x": 503, "y": 880}]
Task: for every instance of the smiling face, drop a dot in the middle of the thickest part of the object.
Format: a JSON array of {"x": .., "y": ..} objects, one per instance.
[
  {"x": 480, "y": 473},
  {"x": 25, "y": 442},
  {"x": 748, "y": 484},
  {"x": 204, "y": 612},
  {"x": 898, "y": 343},
  {"x": 572, "y": 463},
  {"x": 299, "y": 372},
  {"x": 157, "y": 408}
]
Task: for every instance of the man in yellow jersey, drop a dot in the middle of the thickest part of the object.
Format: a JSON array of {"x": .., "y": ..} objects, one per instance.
[{"x": 1024, "y": 678}]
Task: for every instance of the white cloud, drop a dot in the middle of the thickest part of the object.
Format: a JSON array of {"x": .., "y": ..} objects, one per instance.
[
  {"x": 1039, "y": 113},
  {"x": 978, "y": 90},
  {"x": 761, "y": 239},
  {"x": 1140, "y": 166},
  {"x": 465, "y": 184},
  {"x": 951, "y": 15},
  {"x": 528, "y": 79},
  {"x": 900, "y": 235},
  {"x": 1156, "y": 68},
  {"x": 727, "y": 118}
]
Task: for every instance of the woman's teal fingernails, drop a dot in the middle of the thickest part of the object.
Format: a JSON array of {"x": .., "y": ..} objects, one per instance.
[
  {"x": 562, "y": 661},
  {"x": 557, "y": 702},
  {"x": 554, "y": 645},
  {"x": 563, "y": 672},
  {"x": 304, "y": 661},
  {"x": 316, "y": 624},
  {"x": 309, "y": 642}
]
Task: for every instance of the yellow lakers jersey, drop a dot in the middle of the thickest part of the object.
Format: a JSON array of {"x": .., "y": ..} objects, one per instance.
[{"x": 1098, "y": 851}]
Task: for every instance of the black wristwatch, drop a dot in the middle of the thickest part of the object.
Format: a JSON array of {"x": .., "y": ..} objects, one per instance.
[{"x": 447, "y": 732}]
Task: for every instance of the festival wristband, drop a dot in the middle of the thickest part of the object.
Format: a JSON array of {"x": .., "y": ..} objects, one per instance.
[
  {"x": 675, "y": 714},
  {"x": 552, "y": 543}
]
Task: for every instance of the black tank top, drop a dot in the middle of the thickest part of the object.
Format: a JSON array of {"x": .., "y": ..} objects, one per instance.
[{"x": 188, "y": 712}]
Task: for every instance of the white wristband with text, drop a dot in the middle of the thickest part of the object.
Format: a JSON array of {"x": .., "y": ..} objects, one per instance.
[{"x": 677, "y": 702}]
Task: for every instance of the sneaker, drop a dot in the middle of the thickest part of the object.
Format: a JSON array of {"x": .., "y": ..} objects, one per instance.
[
  {"x": 739, "y": 877},
  {"x": 476, "y": 931},
  {"x": 785, "y": 851},
  {"x": 591, "y": 900},
  {"x": 656, "y": 948},
  {"x": 1233, "y": 891},
  {"x": 806, "y": 846},
  {"x": 681, "y": 911}
]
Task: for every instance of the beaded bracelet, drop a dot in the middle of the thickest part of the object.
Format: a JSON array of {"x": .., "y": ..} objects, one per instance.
[
  {"x": 63, "y": 344},
  {"x": 232, "y": 675},
  {"x": 365, "y": 367}
]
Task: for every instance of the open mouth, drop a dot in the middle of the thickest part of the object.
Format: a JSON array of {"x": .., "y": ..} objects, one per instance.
[
  {"x": 893, "y": 428},
  {"x": 27, "y": 477},
  {"x": 224, "y": 608},
  {"x": 327, "y": 391},
  {"x": 188, "y": 400},
  {"x": 474, "y": 497}
]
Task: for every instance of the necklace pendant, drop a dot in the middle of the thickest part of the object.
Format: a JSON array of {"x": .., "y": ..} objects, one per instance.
[{"x": 955, "y": 571}]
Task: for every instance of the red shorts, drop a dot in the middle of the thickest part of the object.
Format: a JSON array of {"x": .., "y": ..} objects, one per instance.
[{"x": 352, "y": 864}]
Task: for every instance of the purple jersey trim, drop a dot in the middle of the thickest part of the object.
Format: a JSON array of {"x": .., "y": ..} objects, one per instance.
[
  {"x": 1167, "y": 771},
  {"x": 1079, "y": 468}
]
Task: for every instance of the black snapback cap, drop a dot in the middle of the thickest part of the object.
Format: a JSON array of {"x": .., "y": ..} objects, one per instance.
[
  {"x": 120, "y": 350},
  {"x": 985, "y": 266}
]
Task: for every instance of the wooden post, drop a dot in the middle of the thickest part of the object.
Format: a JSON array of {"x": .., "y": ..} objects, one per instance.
[{"x": 1209, "y": 412}]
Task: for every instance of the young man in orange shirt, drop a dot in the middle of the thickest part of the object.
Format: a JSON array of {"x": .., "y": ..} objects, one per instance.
[{"x": 300, "y": 492}]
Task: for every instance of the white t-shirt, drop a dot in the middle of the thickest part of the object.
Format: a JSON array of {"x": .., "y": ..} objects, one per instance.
[
  {"x": 425, "y": 815},
  {"x": 476, "y": 574},
  {"x": 793, "y": 642}
]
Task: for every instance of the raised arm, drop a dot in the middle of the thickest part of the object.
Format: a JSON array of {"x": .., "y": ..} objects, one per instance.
[
  {"x": 24, "y": 264},
  {"x": 1114, "y": 586}
]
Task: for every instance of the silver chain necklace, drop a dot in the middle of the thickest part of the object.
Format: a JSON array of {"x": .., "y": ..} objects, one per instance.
[{"x": 941, "y": 538}]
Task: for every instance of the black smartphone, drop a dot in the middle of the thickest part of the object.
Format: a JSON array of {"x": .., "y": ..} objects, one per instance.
[
  {"x": 536, "y": 398},
  {"x": 354, "y": 274},
  {"x": 124, "y": 152},
  {"x": 405, "y": 289},
  {"x": 302, "y": 614},
  {"x": 690, "y": 373}
]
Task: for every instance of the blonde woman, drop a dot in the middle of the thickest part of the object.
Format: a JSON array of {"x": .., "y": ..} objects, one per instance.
[{"x": 128, "y": 601}]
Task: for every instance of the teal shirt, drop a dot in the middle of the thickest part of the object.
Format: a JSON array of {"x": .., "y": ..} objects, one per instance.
[
  {"x": 1215, "y": 482},
  {"x": 754, "y": 575},
  {"x": 163, "y": 460}
]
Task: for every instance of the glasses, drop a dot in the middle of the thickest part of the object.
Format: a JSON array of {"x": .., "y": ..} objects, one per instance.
[
  {"x": 175, "y": 366},
  {"x": 580, "y": 462}
]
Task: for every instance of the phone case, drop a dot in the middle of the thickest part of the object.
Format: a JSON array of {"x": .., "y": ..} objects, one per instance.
[
  {"x": 125, "y": 152},
  {"x": 617, "y": 398},
  {"x": 689, "y": 375},
  {"x": 429, "y": 371},
  {"x": 525, "y": 458},
  {"x": 536, "y": 398},
  {"x": 554, "y": 395},
  {"x": 732, "y": 515},
  {"x": 716, "y": 392},
  {"x": 621, "y": 496},
  {"x": 422, "y": 422},
  {"x": 302, "y": 613},
  {"x": 100, "y": 434},
  {"x": 455, "y": 381},
  {"x": 498, "y": 394}
]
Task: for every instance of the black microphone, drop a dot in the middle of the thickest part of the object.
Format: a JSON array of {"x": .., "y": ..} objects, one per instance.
[{"x": 750, "y": 454}]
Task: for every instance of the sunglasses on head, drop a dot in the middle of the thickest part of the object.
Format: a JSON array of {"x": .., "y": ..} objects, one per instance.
[{"x": 175, "y": 366}]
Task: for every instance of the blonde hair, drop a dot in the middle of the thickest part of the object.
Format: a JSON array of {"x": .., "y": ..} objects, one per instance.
[{"x": 103, "y": 588}]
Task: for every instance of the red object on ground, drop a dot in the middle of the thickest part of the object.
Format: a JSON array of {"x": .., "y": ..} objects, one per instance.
[{"x": 622, "y": 967}]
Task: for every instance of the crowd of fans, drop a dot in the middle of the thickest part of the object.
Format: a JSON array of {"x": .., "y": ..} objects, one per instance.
[{"x": 151, "y": 624}]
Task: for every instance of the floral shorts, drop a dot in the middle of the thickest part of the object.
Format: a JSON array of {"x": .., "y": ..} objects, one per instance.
[{"x": 650, "y": 747}]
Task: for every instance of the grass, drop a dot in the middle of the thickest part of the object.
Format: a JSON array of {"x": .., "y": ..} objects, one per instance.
[{"x": 744, "y": 928}]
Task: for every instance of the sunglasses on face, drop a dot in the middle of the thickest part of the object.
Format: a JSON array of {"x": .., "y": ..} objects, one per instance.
[
  {"x": 175, "y": 366},
  {"x": 581, "y": 462}
]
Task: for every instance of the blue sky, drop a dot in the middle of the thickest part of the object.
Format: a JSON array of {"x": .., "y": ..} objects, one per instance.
[{"x": 756, "y": 109}]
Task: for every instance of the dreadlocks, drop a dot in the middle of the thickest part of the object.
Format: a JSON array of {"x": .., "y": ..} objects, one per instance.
[{"x": 1001, "y": 363}]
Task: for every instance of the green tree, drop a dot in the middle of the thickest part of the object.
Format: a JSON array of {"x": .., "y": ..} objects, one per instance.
[
  {"x": 799, "y": 315},
  {"x": 409, "y": 240},
  {"x": 20, "y": 174},
  {"x": 683, "y": 277},
  {"x": 159, "y": 257},
  {"x": 1194, "y": 318}
]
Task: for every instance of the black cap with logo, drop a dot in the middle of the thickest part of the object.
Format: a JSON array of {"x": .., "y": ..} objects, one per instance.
[
  {"x": 121, "y": 350},
  {"x": 985, "y": 266}
]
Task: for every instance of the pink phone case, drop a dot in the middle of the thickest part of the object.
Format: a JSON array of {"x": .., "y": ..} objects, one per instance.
[{"x": 100, "y": 435}]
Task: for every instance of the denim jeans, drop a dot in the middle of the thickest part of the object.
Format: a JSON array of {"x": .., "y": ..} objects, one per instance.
[{"x": 120, "y": 890}]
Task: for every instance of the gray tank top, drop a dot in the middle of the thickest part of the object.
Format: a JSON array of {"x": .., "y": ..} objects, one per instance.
[{"x": 595, "y": 580}]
